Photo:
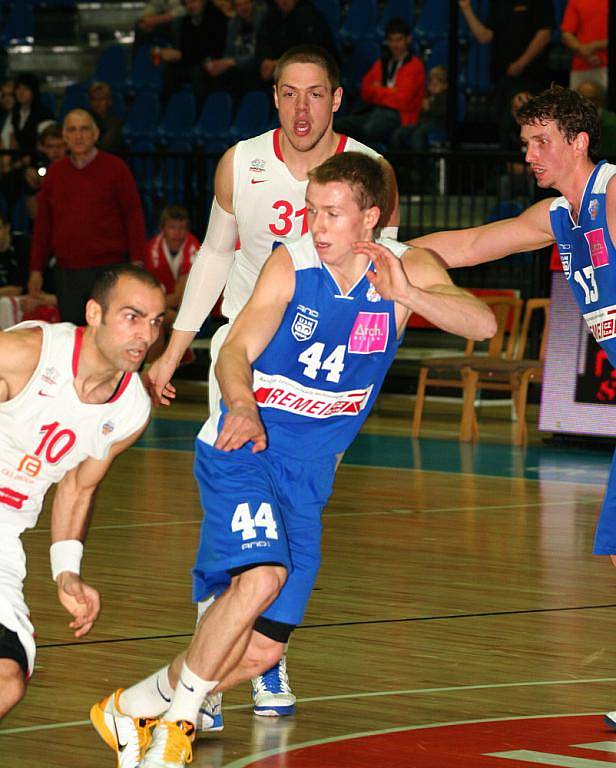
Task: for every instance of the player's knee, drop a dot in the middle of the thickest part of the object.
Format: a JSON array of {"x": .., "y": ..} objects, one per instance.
[
  {"x": 261, "y": 585},
  {"x": 12, "y": 685}
]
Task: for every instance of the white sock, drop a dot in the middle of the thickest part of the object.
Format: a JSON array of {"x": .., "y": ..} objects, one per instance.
[
  {"x": 148, "y": 698},
  {"x": 189, "y": 693}
]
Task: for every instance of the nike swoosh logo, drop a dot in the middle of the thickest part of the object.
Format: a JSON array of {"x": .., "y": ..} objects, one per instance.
[
  {"x": 162, "y": 695},
  {"x": 121, "y": 747},
  {"x": 258, "y": 181},
  {"x": 189, "y": 688},
  {"x": 44, "y": 394}
]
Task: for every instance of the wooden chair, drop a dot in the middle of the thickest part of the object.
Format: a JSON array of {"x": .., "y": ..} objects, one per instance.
[
  {"x": 452, "y": 372},
  {"x": 513, "y": 375}
]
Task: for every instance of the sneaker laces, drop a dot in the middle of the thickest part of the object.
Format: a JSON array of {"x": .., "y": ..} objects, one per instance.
[
  {"x": 275, "y": 680},
  {"x": 171, "y": 743},
  {"x": 144, "y": 731}
]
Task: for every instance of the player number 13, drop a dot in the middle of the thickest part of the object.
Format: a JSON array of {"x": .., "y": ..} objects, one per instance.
[{"x": 591, "y": 292}]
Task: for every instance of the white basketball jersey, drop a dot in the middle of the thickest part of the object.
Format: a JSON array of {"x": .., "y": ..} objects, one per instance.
[
  {"x": 270, "y": 208},
  {"x": 46, "y": 430}
]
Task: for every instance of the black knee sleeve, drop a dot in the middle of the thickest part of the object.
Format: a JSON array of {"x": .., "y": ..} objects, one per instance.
[
  {"x": 275, "y": 630},
  {"x": 11, "y": 648}
]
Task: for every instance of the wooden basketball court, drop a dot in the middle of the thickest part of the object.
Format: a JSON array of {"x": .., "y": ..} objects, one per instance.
[{"x": 457, "y": 585}]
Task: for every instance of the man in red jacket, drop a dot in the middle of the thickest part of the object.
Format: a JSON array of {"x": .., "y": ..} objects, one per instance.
[
  {"x": 89, "y": 217},
  {"x": 392, "y": 90}
]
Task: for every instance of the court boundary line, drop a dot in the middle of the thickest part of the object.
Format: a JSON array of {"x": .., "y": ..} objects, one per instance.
[
  {"x": 370, "y": 694},
  {"x": 244, "y": 762},
  {"x": 341, "y": 624}
]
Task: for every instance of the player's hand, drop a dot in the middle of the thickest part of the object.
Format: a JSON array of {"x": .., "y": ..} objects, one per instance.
[
  {"x": 81, "y": 600},
  {"x": 35, "y": 283},
  {"x": 157, "y": 381},
  {"x": 242, "y": 425},
  {"x": 390, "y": 279}
]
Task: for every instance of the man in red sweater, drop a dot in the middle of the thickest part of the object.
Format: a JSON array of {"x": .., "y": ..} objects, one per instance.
[
  {"x": 392, "y": 90},
  {"x": 89, "y": 216}
]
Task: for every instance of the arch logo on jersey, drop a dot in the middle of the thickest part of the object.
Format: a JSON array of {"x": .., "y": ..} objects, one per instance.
[
  {"x": 369, "y": 333},
  {"x": 599, "y": 256}
]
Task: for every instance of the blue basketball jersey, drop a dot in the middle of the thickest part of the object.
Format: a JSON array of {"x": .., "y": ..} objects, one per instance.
[
  {"x": 589, "y": 258},
  {"x": 318, "y": 377}
]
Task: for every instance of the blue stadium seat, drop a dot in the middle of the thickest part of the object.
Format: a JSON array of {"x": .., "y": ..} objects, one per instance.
[
  {"x": 144, "y": 74},
  {"x": 172, "y": 180},
  {"x": 359, "y": 22},
  {"x": 402, "y": 9},
  {"x": 437, "y": 55},
  {"x": 331, "y": 10},
  {"x": 48, "y": 99},
  {"x": 212, "y": 128},
  {"x": 506, "y": 209},
  {"x": 19, "y": 27},
  {"x": 75, "y": 97},
  {"x": 142, "y": 119},
  {"x": 357, "y": 64},
  {"x": 478, "y": 76},
  {"x": 112, "y": 67},
  {"x": 143, "y": 168},
  {"x": 252, "y": 116},
  {"x": 178, "y": 118}
]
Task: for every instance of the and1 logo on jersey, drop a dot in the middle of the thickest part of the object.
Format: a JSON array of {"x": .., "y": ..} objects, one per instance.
[{"x": 369, "y": 334}]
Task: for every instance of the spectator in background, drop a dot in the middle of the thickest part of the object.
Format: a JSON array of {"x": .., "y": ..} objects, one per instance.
[
  {"x": 27, "y": 113},
  {"x": 50, "y": 148},
  {"x": 109, "y": 125},
  {"x": 519, "y": 31},
  {"x": 584, "y": 31},
  {"x": 432, "y": 115},
  {"x": 286, "y": 24},
  {"x": 595, "y": 92},
  {"x": 197, "y": 37},
  {"x": 518, "y": 179},
  {"x": 7, "y": 102},
  {"x": 392, "y": 90},
  {"x": 237, "y": 71},
  {"x": 89, "y": 216},
  {"x": 154, "y": 24},
  {"x": 14, "y": 305},
  {"x": 169, "y": 257}
]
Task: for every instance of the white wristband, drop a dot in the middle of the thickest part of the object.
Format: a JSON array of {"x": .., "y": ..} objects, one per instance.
[
  {"x": 391, "y": 232},
  {"x": 65, "y": 556}
]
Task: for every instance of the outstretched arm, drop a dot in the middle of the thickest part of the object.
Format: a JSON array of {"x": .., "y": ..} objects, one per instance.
[
  {"x": 251, "y": 332},
  {"x": 206, "y": 280},
  {"x": 466, "y": 247},
  {"x": 418, "y": 283},
  {"x": 70, "y": 518}
]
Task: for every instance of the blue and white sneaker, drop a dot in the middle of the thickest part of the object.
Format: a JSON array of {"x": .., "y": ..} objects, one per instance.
[
  {"x": 272, "y": 693},
  {"x": 209, "y": 719},
  {"x": 610, "y": 719}
]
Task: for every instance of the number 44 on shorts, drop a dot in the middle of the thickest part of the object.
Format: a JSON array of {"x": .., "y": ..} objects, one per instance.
[{"x": 244, "y": 522}]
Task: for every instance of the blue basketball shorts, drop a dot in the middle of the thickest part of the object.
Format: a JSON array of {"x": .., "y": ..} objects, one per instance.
[
  {"x": 261, "y": 508},
  {"x": 605, "y": 534}
]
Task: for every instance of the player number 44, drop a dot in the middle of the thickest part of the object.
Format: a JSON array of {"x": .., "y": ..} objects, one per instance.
[{"x": 243, "y": 522}]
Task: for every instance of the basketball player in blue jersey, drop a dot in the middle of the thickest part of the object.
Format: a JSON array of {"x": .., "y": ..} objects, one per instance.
[
  {"x": 259, "y": 203},
  {"x": 299, "y": 372},
  {"x": 560, "y": 133}
]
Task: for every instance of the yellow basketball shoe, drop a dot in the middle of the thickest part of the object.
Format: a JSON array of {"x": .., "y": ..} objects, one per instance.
[
  {"x": 128, "y": 736},
  {"x": 171, "y": 745}
]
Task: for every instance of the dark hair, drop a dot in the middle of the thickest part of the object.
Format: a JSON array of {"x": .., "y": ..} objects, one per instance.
[
  {"x": 572, "y": 113},
  {"x": 107, "y": 281},
  {"x": 310, "y": 54},
  {"x": 175, "y": 212},
  {"x": 31, "y": 82},
  {"x": 397, "y": 26},
  {"x": 52, "y": 131},
  {"x": 364, "y": 174}
]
